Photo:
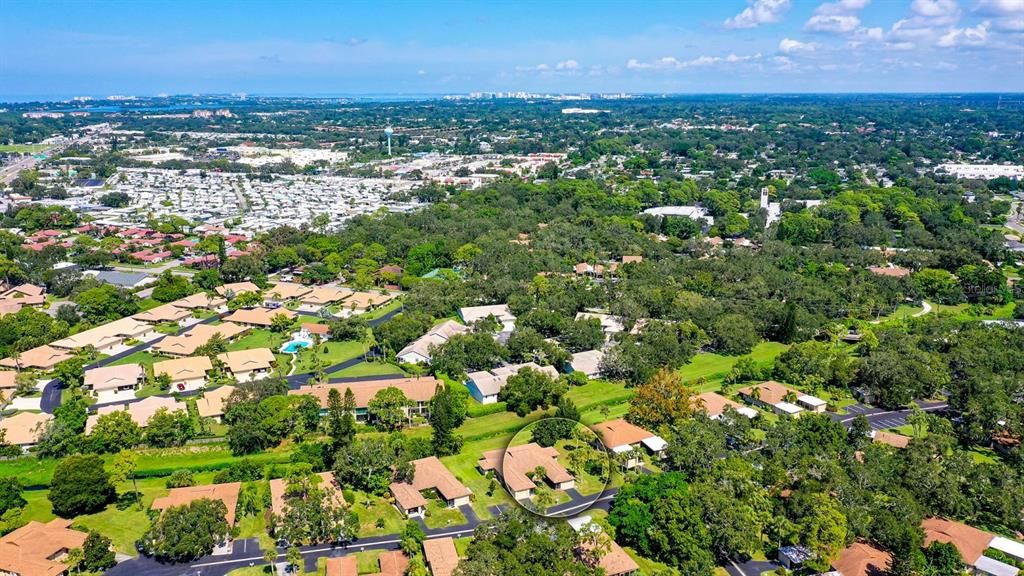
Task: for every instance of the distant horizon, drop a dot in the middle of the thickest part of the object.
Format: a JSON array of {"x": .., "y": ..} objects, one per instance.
[{"x": 70, "y": 97}]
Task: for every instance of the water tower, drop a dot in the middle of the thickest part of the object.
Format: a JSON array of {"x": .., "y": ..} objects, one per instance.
[{"x": 388, "y": 132}]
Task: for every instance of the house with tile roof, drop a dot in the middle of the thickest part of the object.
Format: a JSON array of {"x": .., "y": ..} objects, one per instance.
[
  {"x": 441, "y": 556},
  {"x": 418, "y": 390},
  {"x": 248, "y": 365},
  {"x": 39, "y": 358},
  {"x": 430, "y": 474},
  {"x": 515, "y": 465},
  {"x": 621, "y": 437},
  {"x": 122, "y": 377},
  {"x": 226, "y": 493},
  {"x": 38, "y": 549},
  {"x": 186, "y": 374},
  {"x": 419, "y": 351},
  {"x": 24, "y": 428}
]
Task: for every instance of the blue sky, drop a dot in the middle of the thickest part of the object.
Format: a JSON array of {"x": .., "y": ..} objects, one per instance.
[{"x": 301, "y": 47}]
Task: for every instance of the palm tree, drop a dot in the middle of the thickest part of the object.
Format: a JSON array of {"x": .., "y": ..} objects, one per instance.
[{"x": 270, "y": 556}]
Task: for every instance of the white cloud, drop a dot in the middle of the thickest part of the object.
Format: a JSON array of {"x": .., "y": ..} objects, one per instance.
[
  {"x": 938, "y": 11},
  {"x": 421, "y": 72},
  {"x": 834, "y": 23},
  {"x": 972, "y": 36},
  {"x": 758, "y": 12},
  {"x": 1007, "y": 15},
  {"x": 673, "y": 63},
  {"x": 945, "y": 66},
  {"x": 899, "y": 46},
  {"x": 537, "y": 68},
  {"x": 790, "y": 46},
  {"x": 839, "y": 17},
  {"x": 569, "y": 64}
]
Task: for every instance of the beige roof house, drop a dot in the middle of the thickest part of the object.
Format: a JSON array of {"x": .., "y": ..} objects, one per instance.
[
  {"x": 38, "y": 549},
  {"x": 24, "y": 428},
  {"x": 324, "y": 295},
  {"x": 430, "y": 474},
  {"x": 211, "y": 405},
  {"x": 769, "y": 392},
  {"x": 226, "y": 493},
  {"x": 393, "y": 563},
  {"x": 237, "y": 288},
  {"x": 278, "y": 487},
  {"x": 200, "y": 300},
  {"x": 715, "y": 404},
  {"x": 513, "y": 463},
  {"x": 140, "y": 411},
  {"x": 164, "y": 313},
  {"x": 441, "y": 556},
  {"x": 8, "y": 382},
  {"x": 105, "y": 335},
  {"x": 22, "y": 291},
  {"x": 187, "y": 368},
  {"x": 113, "y": 377},
  {"x": 366, "y": 300},
  {"x": 419, "y": 350},
  {"x": 186, "y": 344},
  {"x": 862, "y": 559},
  {"x": 288, "y": 291},
  {"x": 891, "y": 438},
  {"x": 241, "y": 361},
  {"x": 415, "y": 389},
  {"x": 619, "y": 434},
  {"x": 39, "y": 358},
  {"x": 969, "y": 541},
  {"x": 258, "y": 316}
]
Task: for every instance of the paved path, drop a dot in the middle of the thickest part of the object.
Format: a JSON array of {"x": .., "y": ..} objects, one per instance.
[
  {"x": 881, "y": 419},
  {"x": 750, "y": 567},
  {"x": 926, "y": 308}
]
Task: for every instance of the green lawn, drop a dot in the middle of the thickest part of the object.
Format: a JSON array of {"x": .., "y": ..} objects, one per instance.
[
  {"x": 649, "y": 567},
  {"x": 902, "y": 312},
  {"x": 148, "y": 303},
  {"x": 968, "y": 312},
  {"x": 368, "y": 369},
  {"x": 714, "y": 367},
  {"x": 23, "y": 148},
  {"x": 143, "y": 357},
  {"x": 152, "y": 462},
  {"x": 370, "y": 509},
  {"x": 377, "y": 313},
  {"x": 439, "y": 515},
  {"x": 463, "y": 466},
  {"x": 330, "y": 353},
  {"x": 586, "y": 483}
]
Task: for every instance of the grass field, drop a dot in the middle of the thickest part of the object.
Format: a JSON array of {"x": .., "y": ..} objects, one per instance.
[
  {"x": 463, "y": 466},
  {"x": 141, "y": 357},
  {"x": 714, "y": 367},
  {"x": 372, "y": 509},
  {"x": 367, "y": 369},
  {"x": 967, "y": 312},
  {"x": 37, "y": 473},
  {"x": 330, "y": 353},
  {"x": 440, "y": 515},
  {"x": 389, "y": 307},
  {"x": 23, "y": 148}
]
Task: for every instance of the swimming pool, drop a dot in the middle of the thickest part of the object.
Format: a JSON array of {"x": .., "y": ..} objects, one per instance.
[{"x": 293, "y": 346}]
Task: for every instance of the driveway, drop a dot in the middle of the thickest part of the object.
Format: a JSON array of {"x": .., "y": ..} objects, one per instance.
[{"x": 111, "y": 396}]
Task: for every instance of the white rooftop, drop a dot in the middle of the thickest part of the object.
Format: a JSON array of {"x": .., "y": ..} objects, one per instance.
[{"x": 789, "y": 408}]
